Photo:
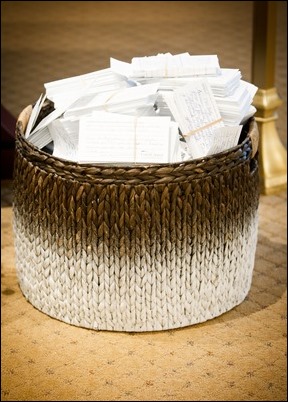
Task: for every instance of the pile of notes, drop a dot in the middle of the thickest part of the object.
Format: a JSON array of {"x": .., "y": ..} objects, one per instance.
[{"x": 156, "y": 109}]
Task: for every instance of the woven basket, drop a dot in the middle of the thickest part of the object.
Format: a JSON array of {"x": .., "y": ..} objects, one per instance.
[{"x": 137, "y": 248}]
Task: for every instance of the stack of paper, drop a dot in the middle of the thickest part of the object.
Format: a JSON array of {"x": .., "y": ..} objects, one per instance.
[
  {"x": 96, "y": 82},
  {"x": 105, "y": 137},
  {"x": 167, "y": 65},
  {"x": 226, "y": 87},
  {"x": 226, "y": 83},
  {"x": 157, "y": 109},
  {"x": 194, "y": 108},
  {"x": 79, "y": 100},
  {"x": 126, "y": 101},
  {"x": 40, "y": 135},
  {"x": 233, "y": 96},
  {"x": 222, "y": 85},
  {"x": 235, "y": 107},
  {"x": 113, "y": 138}
]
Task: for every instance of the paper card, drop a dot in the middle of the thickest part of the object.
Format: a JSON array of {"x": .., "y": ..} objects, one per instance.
[
  {"x": 65, "y": 134},
  {"x": 194, "y": 108},
  {"x": 114, "y": 138},
  {"x": 34, "y": 115},
  {"x": 224, "y": 138}
]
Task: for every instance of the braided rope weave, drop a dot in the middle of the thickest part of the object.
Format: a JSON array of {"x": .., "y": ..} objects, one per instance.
[{"x": 136, "y": 248}]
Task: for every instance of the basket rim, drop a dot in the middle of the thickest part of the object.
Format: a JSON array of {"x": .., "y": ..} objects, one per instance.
[{"x": 135, "y": 172}]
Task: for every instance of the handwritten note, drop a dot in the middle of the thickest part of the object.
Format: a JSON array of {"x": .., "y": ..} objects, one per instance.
[
  {"x": 194, "y": 108},
  {"x": 224, "y": 138},
  {"x": 110, "y": 137}
]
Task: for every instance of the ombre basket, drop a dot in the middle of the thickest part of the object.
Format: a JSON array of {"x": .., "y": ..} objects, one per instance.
[{"x": 136, "y": 248}]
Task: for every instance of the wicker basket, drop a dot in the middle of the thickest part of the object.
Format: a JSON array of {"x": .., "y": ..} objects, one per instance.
[{"x": 137, "y": 248}]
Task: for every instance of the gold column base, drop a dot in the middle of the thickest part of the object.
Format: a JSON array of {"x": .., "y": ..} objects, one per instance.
[{"x": 272, "y": 154}]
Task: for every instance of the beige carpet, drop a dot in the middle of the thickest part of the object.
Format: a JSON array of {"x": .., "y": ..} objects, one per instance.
[{"x": 239, "y": 356}]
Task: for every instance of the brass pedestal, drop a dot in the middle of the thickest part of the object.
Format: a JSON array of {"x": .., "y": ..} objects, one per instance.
[{"x": 272, "y": 154}]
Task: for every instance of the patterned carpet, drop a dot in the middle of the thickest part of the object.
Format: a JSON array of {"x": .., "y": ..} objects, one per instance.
[{"x": 239, "y": 356}]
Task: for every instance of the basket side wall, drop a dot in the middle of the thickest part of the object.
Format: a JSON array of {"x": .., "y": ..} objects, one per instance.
[{"x": 135, "y": 257}]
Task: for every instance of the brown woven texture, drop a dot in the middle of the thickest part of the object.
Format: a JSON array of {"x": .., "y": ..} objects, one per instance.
[{"x": 135, "y": 248}]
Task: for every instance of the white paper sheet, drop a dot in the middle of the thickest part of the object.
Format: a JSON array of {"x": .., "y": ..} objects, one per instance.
[
  {"x": 113, "y": 138},
  {"x": 65, "y": 134},
  {"x": 34, "y": 115},
  {"x": 195, "y": 110},
  {"x": 224, "y": 138}
]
